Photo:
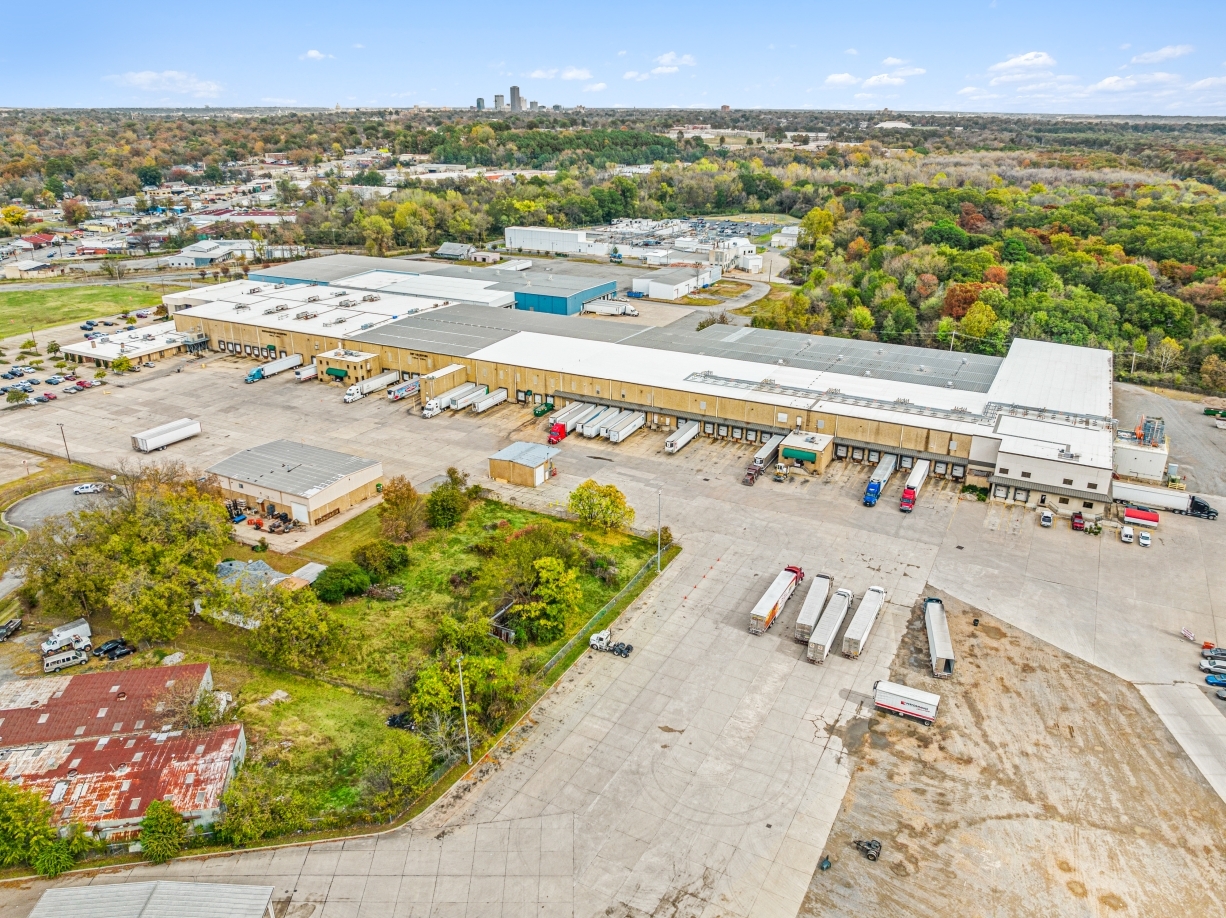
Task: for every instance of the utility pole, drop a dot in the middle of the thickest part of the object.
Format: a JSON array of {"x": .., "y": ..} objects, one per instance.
[
  {"x": 468, "y": 746},
  {"x": 659, "y": 519},
  {"x": 952, "y": 336},
  {"x": 65, "y": 439}
]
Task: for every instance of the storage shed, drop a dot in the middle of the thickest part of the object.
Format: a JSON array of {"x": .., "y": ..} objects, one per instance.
[{"x": 527, "y": 464}]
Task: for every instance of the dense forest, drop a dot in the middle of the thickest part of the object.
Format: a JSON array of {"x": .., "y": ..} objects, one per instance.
[{"x": 963, "y": 232}]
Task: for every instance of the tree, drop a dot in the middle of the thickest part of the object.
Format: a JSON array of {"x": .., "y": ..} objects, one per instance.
[
  {"x": 378, "y": 234},
  {"x": 75, "y": 212},
  {"x": 817, "y": 222},
  {"x": 13, "y": 215},
  {"x": 394, "y": 769},
  {"x": 183, "y": 705},
  {"x": 402, "y": 515},
  {"x": 163, "y": 832},
  {"x": 1213, "y": 372},
  {"x": 381, "y": 558},
  {"x": 1014, "y": 250},
  {"x": 858, "y": 248},
  {"x": 149, "y": 174},
  {"x": 978, "y": 321},
  {"x": 53, "y": 347},
  {"x": 861, "y": 318},
  {"x": 598, "y": 505},
  {"x": 14, "y": 396},
  {"x": 121, "y": 364},
  {"x": 557, "y": 596},
  {"x": 448, "y": 502},
  {"x": 99, "y": 373},
  {"x": 25, "y": 824},
  {"x": 946, "y": 232},
  {"x": 256, "y": 806},
  {"x": 1167, "y": 354},
  {"x": 340, "y": 580}
]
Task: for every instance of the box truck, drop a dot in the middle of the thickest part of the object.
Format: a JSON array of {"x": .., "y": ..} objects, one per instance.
[
  {"x": 767, "y": 453},
  {"x": 812, "y": 608},
  {"x": 623, "y": 429},
  {"x": 915, "y": 481},
  {"x": 862, "y": 622},
  {"x": 406, "y": 389},
  {"x": 906, "y": 702},
  {"x": 610, "y": 308},
  {"x": 375, "y": 383},
  {"x": 681, "y": 436},
  {"x": 488, "y": 401},
  {"x": 1125, "y": 492},
  {"x": 828, "y": 626},
  {"x": 596, "y": 422},
  {"x": 273, "y": 367},
  {"x": 310, "y": 371},
  {"x": 161, "y": 437},
  {"x": 75, "y": 633},
  {"x": 940, "y": 647},
  {"x": 772, "y": 601},
  {"x": 879, "y": 479},
  {"x": 441, "y": 403}
]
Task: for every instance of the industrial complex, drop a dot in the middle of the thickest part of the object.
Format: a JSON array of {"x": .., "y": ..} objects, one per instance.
[{"x": 1035, "y": 426}]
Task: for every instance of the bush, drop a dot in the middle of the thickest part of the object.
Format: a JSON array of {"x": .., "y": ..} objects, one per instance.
[
  {"x": 163, "y": 832},
  {"x": 445, "y": 506},
  {"x": 295, "y": 630},
  {"x": 394, "y": 769},
  {"x": 381, "y": 558},
  {"x": 341, "y": 580},
  {"x": 600, "y": 505}
]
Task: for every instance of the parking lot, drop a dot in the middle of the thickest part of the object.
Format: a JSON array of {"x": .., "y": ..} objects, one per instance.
[{"x": 702, "y": 775}]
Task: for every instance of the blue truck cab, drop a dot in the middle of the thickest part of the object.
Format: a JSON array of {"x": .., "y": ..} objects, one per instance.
[{"x": 879, "y": 479}]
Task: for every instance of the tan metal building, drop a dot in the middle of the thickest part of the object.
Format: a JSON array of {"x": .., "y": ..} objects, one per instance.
[{"x": 527, "y": 464}]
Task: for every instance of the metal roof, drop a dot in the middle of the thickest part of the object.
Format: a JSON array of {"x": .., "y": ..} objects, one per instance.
[
  {"x": 292, "y": 468},
  {"x": 529, "y": 454},
  {"x": 329, "y": 268},
  {"x": 545, "y": 283},
  {"x": 158, "y": 899}
]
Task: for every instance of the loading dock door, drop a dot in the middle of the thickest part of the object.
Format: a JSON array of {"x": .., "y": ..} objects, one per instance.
[{"x": 300, "y": 512}]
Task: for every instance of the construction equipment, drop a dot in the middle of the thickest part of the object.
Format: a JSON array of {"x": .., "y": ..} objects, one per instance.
[{"x": 870, "y": 849}]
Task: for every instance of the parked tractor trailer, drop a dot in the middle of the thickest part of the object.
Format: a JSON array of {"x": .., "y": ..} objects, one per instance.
[
  {"x": 915, "y": 481},
  {"x": 906, "y": 701},
  {"x": 856, "y": 636},
  {"x": 273, "y": 367},
  {"x": 161, "y": 437},
  {"x": 879, "y": 479},
  {"x": 940, "y": 646},
  {"x": 374, "y": 384},
  {"x": 489, "y": 400},
  {"x": 681, "y": 436},
  {"x": 624, "y": 427},
  {"x": 812, "y": 608},
  {"x": 1137, "y": 495},
  {"x": 772, "y": 601},
  {"x": 828, "y": 626}
]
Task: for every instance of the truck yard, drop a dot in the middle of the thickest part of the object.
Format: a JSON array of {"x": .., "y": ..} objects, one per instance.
[{"x": 710, "y": 770}]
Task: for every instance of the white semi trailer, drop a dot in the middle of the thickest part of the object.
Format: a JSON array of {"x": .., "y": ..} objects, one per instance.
[
  {"x": 806, "y": 621},
  {"x": 441, "y": 403},
  {"x": 681, "y": 436},
  {"x": 940, "y": 646},
  {"x": 768, "y": 451},
  {"x": 374, "y": 384},
  {"x": 593, "y": 425},
  {"x": 828, "y": 626},
  {"x": 622, "y": 430},
  {"x": 486, "y": 402},
  {"x": 768, "y": 607},
  {"x": 906, "y": 701},
  {"x": 161, "y": 437},
  {"x": 469, "y": 397},
  {"x": 862, "y": 622}
]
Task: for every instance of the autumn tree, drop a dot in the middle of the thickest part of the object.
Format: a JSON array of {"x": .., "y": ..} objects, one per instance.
[
  {"x": 1213, "y": 372},
  {"x": 598, "y": 505},
  {"x": 402, "y": 515},
  {"x": 378, "y": 234}
]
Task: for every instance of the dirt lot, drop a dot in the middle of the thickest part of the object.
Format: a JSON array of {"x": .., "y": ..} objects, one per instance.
[{"x": 1045, "y": 787}]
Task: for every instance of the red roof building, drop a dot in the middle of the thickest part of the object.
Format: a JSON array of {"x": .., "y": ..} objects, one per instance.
[{"x": 39, "y": 240}]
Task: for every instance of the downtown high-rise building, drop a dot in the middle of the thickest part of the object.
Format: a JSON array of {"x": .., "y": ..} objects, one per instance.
[
  {"x": 480, "y": 104},
  {"x": 517, "y": 104},
  {"x": 499, "y": 105}
]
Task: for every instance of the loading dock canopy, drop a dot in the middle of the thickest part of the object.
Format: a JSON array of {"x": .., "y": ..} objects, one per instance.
[{"x": 338, "y": 373}]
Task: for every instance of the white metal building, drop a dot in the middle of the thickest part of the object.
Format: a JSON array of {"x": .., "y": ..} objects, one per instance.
[
  {"x": 674, "y": 283},
  {"x": 546, "y": 239}
]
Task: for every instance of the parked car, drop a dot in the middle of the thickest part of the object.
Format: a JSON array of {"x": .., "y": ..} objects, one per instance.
[
  {"x": 148, "y": 364},
  {"x": 18, "y": 371},
  {"x": 1045, "y": 519},
  {"x": 1216, "y": 681},
  {"x": 84, "y": 384},
  {"x": 70, "y": 390},
  {"x": 40, "y": 399},
  {"x": 103, "y": 649},
  {"x": 122, "y": 650},
  {"x": 1126, "y": 534},
  {"x": 143, "y": 314},
  {"x": 50, "y": 396},
  {"x": 107, "y": 322},
  {"x": 35, "y": 382},
  {"x": 1214, "y": 653},
  {"x": 87, "y": 326},
  {"x": 1221, "y": 693},
  {"x": 54, "y": 380},
  {"x": 1143, "y": 540},
  {"x": 89, "y": 488},
  {"x": 1217, "y": 667}
]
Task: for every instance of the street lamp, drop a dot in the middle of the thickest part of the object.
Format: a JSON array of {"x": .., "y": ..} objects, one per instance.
[
  {"x": 468, "y": 745},
  {"x": 659, "y": 519},
  {"x": 65, "y": 439}
]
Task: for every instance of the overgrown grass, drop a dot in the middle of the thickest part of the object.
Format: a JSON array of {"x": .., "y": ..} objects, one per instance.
[{"x": 21, "y": 310}]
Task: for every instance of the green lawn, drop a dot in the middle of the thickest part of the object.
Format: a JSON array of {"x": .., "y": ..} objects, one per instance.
[{"x": 21, "y": 310}]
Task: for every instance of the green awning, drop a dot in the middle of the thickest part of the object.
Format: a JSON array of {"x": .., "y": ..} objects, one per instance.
[
  {"x": 271, "y": 347},
  {"x": 333, "y": 371},
  {"x": 804, "y": 455}
]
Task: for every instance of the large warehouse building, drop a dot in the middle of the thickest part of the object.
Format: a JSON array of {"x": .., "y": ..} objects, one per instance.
[{"x": 1037, "y": 424}]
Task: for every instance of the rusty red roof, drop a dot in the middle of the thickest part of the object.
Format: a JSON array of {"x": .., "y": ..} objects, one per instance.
[
  {"x": 108, "y": 782},
  {"x": 72, "y": 708}
]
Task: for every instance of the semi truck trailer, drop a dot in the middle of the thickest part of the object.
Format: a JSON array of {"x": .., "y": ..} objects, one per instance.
[
  {"x": 862, "y": 622},
  {"x": 812, "y": 608},
  {"x": 310, "y": 371},
  {"x": 559, "y": 431},
  {"x": 460, "y": 402},
  {"x": 1125, "y": 492},
  {"x": 441, "y": 403},
  {"x": 406, "y": 389},
  {"x": 905, "y": 701},
  {"x": 273, "y": 367},
  {"x": 879, "y": 479},
  {"x": 772, "y": 601},
  {"x": 940, "y": 646},
  {"x": 161, "y": 437},
  {"x": 375, "y": 383},
  {"x": 610, "y": 308},
  {"x": 596, "y": 422},
  {"x": 767, "y": 452},
  {"x": 570, "y": 411},
  {"x": 915, "y": 481},
  {"x": 681, "y": 436},
  {"x": 621, "y": 431},
  {"x": 486, "y": 402},
  {"x": 828, "y": 626}
]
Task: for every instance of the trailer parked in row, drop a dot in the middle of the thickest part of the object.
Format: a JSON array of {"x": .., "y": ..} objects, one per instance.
[
  {"x": 827, "y": 628},
  {"x": 906, "y": 701},
  {"x": 610, "y": 308},
  {"x": 622, "y": 430},
  {"x": 374, "y": 384},
  {"x": 915, "y": 481},
  {"x": 161, "y": 437},
  {"x": 767, "y": 452},
  {"x": 879, "y": 479},
  {"x": 597, "y": 422},
  {"x": 940, "y": 646},
  {"x": 441, "y": 403},
  {"x": 772, "y": 601},
  {"x": 559, "y": 431},
  {"x": 1152, "y": 498},
  {"x": 406, "y": 389},
  {"x": 273, "y": 367},
  {"x": 681, "y": 436},
  {"x": 486, "y": 402},
  {"x": 310, "y": 371},
  {"x": 862, "y": 622},
  {"x": 806, "y": 621},
  {"x": 460, "y": 402}
]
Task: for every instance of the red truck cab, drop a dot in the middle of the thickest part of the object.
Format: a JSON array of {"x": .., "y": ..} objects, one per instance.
[
  {"x": 1079, "y": 522},
  {"x": 907, "y": 504},
  {"x": 557, "y": 433}
]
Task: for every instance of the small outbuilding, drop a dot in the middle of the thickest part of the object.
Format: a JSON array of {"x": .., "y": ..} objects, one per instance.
[
  {"x": 527, "y": 464},
  {"x": 156, "y": 899},
  {"x": 810, "y": 448},
  {"x": 454, "y": 251}
]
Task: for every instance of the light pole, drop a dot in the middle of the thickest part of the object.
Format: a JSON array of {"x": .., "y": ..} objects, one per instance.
[
  {"x": 65, "y": 439},
  {"x": 468, "y": 745},
  {"x": 659, "y": 519}
]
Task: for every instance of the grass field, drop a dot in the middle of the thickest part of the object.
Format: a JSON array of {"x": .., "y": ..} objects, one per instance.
[{"x": 21, "y": 310}]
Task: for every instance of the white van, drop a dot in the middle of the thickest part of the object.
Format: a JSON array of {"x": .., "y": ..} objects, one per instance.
[
  {"x": 64, "y": 659},
  {"x": 1126, "y": 534}
]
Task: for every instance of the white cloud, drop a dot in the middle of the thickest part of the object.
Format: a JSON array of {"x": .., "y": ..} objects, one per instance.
[
  {"x": 1029, "y": 61},
  {"x": 172, "y": 81},
  {"x": 1209, "y": 83},
  {"x": 660, "y": 71},
  {"x": 314, "y": 55},
  {"x": 1170, "y": 52},
  {"x": 1125, "y": 46},
  {"x": 969, "y": 90},
  {"x": 595, "y": 87},
  {"x": 576, "y": 73},
  {"x": 909, "y": 71},
  {"x": 883, "y": 79},
  {"x": 359, "y": 47},
  {"x": 673, "y": 59},
  {"x": 893, "y": 61},
  {"x": 851, "y": 51},
  {"x": 621, "y": 53},
  {"x": 841, "y": 79},
  {"x": 539, "y": 74},
  {"x": 635, "y": 75}
]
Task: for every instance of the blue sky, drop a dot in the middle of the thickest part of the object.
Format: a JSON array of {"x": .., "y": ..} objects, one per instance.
[{"x": 996, "y": 55}]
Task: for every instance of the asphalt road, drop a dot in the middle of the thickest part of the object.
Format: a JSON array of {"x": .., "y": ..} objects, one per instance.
[{"x": 31, "y": 512}]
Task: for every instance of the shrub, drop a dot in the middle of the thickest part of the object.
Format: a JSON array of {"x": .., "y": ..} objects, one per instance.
[
  {"x": 381, "y": 558},
  {"x": 163, "y": 832},
  {"x": 600, "y": 505},
  {"x": 445, "y": 506},
  {"x": 341, "y": 580}
]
